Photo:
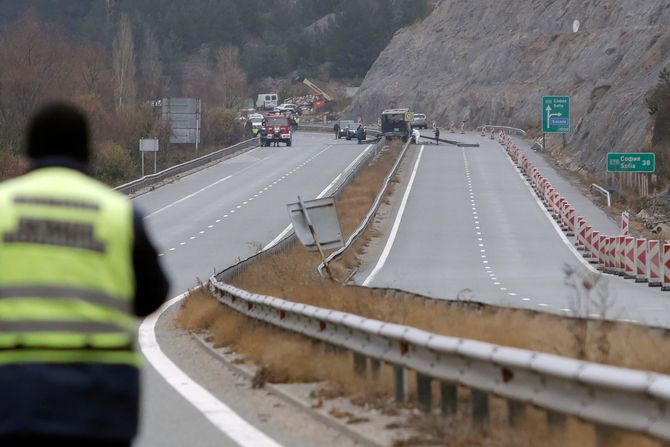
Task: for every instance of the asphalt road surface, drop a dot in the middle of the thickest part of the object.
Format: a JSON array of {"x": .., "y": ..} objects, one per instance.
[
  {"x": 204, "y": 223},
  {"x": 471, "y": 228}
]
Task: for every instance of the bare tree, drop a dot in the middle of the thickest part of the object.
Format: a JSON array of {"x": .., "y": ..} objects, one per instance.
[
  {"x": 229, "y": 78},
  {"x": 123, "y": 61},
  {"x": 151, "y": 69},
  {"x": 37, "y": 66}
]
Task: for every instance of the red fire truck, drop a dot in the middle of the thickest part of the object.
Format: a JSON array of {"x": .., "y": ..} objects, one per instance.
[{"x": 278, "y": 130}]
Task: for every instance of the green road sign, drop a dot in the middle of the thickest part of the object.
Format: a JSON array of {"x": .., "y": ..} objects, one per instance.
[
  {"x": 555, "y": 114},
  {"x": 631, "y": 162}
]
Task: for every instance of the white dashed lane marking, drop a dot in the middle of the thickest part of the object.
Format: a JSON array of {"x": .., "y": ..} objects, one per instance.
[
  {"x": 476, "y": 220},
  {"x": 239, "y": 207}
]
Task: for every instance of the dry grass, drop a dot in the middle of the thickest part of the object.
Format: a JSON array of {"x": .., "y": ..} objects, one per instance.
[
  {"x": 533, "y": 431},
  {"x": 290, "y": 275},
  {"x": 292, "y": 358}
]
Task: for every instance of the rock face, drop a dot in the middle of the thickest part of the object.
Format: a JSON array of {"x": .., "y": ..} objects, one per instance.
[{"x": 490, "y": 62}]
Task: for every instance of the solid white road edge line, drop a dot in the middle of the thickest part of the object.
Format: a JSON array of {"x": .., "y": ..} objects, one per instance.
[
  {"x": 286, "y": 230},
  {"x": 219, "y": 414},
  {"x": 539, "y": 203},
  {"x": 396, "y": 224}
]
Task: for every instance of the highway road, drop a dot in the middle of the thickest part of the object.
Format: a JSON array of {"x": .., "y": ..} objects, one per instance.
[
  {"x": 203, "y": 223},
  {"x": 470, "y": 226}
]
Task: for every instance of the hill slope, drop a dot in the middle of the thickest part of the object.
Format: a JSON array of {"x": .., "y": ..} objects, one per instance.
[{"x": 490, "y": 62}]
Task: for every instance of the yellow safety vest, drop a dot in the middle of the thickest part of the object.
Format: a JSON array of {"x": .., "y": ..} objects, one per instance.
[{"x": 66, "y": 277}]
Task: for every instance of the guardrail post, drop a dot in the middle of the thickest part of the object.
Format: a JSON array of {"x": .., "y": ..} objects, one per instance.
[
  {"x": 555, "y": 421},
  {"x": 400, "y": 384},
  {"x": 360, "y": 364},
  {"x": 516, "y": 412},
  {"x": 605, "y": 436},
  {"x": 448, "y": 398},
  {"x": 376, "y": 368},
  {"x": 480, "y": 407},
  {"x": 424, "y": 395}
]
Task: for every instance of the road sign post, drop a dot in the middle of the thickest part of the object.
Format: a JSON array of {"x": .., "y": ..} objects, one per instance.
[
  {"x": 631, "y": 162},
  {"x": 555, "y": 116},
  {"x": 148, "y": 145}
]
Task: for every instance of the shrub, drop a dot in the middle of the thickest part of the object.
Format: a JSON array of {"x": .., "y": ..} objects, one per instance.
[
  {"x": 113, "y": 164},
  {"x": 11, "y": 165},
  {"x": 221, "y": 127}
]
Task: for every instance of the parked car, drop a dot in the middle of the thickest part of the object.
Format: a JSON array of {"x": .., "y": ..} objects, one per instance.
[
  {"x": 346, "y": 126},
  {"x": 287, "y": 107},
  {"x": 420, "y": 121},
  {"x": 351, "y": 133}
]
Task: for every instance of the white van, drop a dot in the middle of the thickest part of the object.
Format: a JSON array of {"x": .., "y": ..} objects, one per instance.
[{"x": 267, "y": 101}]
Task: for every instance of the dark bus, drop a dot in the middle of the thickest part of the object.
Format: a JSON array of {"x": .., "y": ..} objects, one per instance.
[{"x": 396, "y": 123}]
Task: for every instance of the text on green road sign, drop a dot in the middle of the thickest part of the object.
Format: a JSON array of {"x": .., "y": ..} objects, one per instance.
[
  {"x": 555, "y": 114},
  {"x": 631, "y": 162}
]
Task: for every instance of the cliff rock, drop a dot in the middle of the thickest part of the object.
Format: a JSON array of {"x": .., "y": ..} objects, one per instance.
[{"x": 486, "y": 62}]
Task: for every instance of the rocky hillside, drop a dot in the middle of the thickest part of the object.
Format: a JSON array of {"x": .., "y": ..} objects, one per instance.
[{"x": 490, "y": 62}]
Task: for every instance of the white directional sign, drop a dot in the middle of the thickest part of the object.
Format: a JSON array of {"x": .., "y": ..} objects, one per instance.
[{"x": 316, "y": 217}]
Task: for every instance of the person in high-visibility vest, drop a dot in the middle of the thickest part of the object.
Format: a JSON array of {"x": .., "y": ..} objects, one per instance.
[{"x": 76, "y": 267}]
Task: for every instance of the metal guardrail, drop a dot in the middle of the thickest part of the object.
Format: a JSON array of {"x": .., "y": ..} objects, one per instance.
[
  {"x": 604, "y": 192},
  {"x": 150, "y": 179},
  {"x": 373, "y": 210},
  {"x": 287, "y": 241},
  {"x": 506, "y": 128},
  {"x": 608, "y": 396},
  {"x": 605, "y": 395}
]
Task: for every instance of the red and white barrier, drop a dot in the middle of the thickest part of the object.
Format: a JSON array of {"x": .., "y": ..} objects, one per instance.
[
  {"x": 629, "y": 257},
  {"x": 654, "y": 257},
  {"x": 620, "y": 247},
  {"x": 666, "y": 267},
  {"x": 624, "y": 255},
  {"x": 609, "y": 254},
  {"x": 588, "y": 252},
  {"x": 595, "y": 247},
  {"x": 581, "y": 233},
  {"x": 602, "y": 253},
  {"x": 571, "y": 221},
  {"x": 641, "y": 260},
  {"x": 625, "y": 223}
]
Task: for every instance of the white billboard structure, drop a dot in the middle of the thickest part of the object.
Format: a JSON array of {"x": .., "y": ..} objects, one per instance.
[{"x": 184, "y": 116}]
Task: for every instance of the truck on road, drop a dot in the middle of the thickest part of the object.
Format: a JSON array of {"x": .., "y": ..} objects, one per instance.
[
  {"x": 278, "y": 130},
  {"x": 396, "y": 123}
]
